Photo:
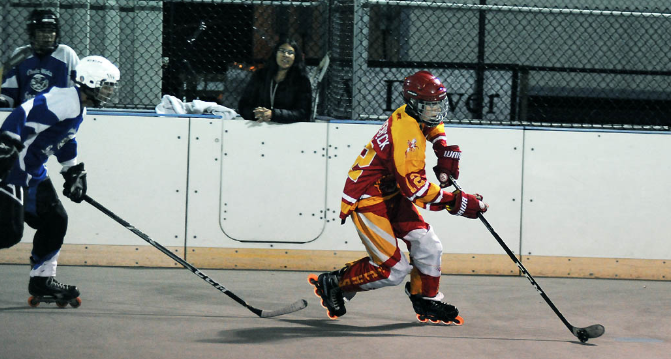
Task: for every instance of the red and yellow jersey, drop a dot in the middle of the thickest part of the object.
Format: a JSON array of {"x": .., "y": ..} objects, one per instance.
[{"x": 392, "y": 162}]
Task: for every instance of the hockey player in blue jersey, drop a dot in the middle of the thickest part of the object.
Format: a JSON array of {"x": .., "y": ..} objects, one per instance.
[
  {"x": 43, "y": 126},
  {"x": 49, "y": 64}
]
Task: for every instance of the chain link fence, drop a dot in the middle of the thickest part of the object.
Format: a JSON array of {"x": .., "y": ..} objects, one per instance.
[{"x": 560, "y": 63}]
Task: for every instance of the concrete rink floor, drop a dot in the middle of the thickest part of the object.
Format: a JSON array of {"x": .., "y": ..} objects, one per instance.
[{"x": 171, "y": 313}]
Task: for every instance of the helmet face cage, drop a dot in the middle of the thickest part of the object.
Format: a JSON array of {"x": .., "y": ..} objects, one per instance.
[
  {"x": 103, "y": 94},
  {"x": 98, "y": 78},
  {"x": 430, "y": 112},
  {"x": 426, "y": 98},
  {"x": 43, "y": 31}
]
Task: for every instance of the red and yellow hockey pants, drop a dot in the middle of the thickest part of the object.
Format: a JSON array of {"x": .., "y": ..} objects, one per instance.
[{"x": 380, "y": 227}]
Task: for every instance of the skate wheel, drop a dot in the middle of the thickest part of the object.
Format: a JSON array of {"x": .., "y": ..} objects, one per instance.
[
  {"x": 33, "y": 301},
  {"x": 76, "y": 302},
  {"x": 312, "y": 279},
  {"x": 458, "y": 321},
  {"x": 61, "y": 304},
  {"x": 434, "y": 321},
  {"x": 422, "y": 318},
  {"x": 331, "y": 316}
]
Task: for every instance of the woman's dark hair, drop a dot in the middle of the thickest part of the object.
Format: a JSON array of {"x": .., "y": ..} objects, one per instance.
[{"x": 299, "y": 62}]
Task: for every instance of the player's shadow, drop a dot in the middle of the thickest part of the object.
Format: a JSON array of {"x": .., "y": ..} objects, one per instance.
[
  {"x": 23, "y": 307},
  {"x": 318, "y": 328},
  {"x": 306, "y": 328}
]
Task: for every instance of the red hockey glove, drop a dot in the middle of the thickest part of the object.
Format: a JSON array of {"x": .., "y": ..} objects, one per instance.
[
  {"x": 467, "y": 205},
  {"x": 448, "y": 164}
]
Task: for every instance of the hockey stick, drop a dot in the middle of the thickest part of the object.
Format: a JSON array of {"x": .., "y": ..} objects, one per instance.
[
  {"x": 14, "y": 60},
  {"x": 294, "y": 307},
  {"x": 321, "y": 71},
  {"x": 593, "y": 331}
]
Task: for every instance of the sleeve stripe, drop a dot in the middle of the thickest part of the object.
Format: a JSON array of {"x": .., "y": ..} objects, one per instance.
[
  {"x": 348, "y": 198},
  {"x": 443, "y": 137},
  {"x": 421, "y": 192},
  {"x": 439, "y": 197}
]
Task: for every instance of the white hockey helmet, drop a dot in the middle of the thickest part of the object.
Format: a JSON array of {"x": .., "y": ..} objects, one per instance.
[{"x": 98, "y": 78}]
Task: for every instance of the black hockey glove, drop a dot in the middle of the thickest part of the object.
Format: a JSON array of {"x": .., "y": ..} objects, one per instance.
[
  {"x": 75, "y": 183},
  {"x": 4, "y": 103},
  {"x": 9, "y": 152}
]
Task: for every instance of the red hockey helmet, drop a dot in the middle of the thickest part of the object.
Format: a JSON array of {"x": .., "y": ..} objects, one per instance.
[{"x": 426, "y": 98}]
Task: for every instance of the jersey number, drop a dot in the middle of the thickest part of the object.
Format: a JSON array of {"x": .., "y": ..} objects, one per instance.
[
  {"x": 417, "y": 180},
  {"x": 361, "y": 162}
]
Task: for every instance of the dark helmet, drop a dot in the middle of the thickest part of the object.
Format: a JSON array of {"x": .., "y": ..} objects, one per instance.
[
  {"x": 426, "y": 98},
  {"x": 44, "y": 21}
]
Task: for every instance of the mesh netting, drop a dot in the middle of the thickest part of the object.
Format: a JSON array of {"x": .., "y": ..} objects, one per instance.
[{"x": 578, "y": 63}]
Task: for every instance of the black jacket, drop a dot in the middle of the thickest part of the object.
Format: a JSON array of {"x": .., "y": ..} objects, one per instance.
[{"x": 293, "y": 98}]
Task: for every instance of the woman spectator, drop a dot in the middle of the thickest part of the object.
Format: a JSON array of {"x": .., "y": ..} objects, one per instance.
[{"x": 281, "y": 90}]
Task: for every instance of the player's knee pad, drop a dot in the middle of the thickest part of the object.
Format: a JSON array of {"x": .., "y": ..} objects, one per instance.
[
  {"x": 426, "y": 251},
  {"x": 51, "y": 225}
]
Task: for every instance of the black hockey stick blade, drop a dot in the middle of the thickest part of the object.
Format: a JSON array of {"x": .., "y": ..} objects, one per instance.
[
  {"x": 593, "y": 331},
  {"x": 294, "y": 307}
]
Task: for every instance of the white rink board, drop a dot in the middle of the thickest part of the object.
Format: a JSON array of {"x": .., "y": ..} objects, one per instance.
[
  {"x": 136, "y": 167},
  {"x": 246, "y": 190},
  {"x": 272, "y": 181},
  {"x": 585, "y": 193},
  {"x": 491, "y": 165},
  {"x": 205, "y": 156},
  {"x": 249, "y": 189},
  {"x": 345, "y": 141},
  {"x": 597, "y": 194}
]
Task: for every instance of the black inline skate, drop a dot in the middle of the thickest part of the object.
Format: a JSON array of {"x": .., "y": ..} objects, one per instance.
[
  {"x": 326, "y": 288},
  {"x": 49, "y": 290},
  {"x": 433, "y": 311}
]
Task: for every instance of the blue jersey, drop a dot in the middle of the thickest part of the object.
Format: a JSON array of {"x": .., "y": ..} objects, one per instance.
[
  {"x": 46, "y": 125},
  {"x": 36, "y": 75}
]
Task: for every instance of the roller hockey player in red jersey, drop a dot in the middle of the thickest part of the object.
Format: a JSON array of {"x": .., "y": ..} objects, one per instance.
[
  {"x": 40, "y": 127},
  {"x": 383, "y": 188}
]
